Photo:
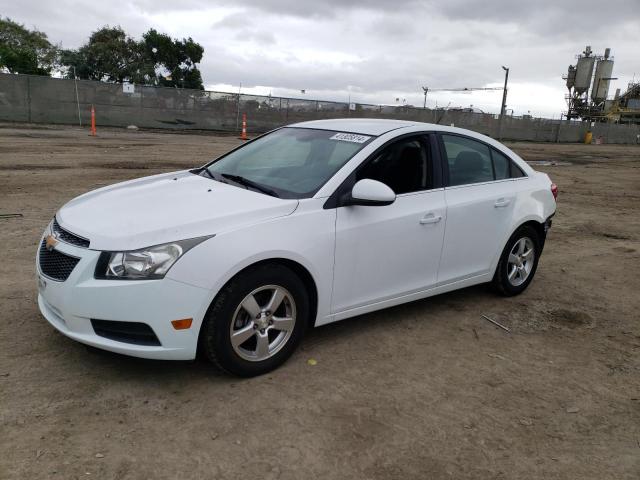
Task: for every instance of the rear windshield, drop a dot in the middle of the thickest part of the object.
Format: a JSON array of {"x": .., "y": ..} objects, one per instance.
[{"x": 292, "y": 162}]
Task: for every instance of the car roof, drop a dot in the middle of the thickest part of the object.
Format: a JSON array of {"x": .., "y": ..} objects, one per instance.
[
  {"x": 379, "y": 126},
  {"x": 364, "y": 126}
]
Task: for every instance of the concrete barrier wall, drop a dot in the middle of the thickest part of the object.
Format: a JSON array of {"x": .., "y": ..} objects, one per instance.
[{"x": 26, "y": 98}]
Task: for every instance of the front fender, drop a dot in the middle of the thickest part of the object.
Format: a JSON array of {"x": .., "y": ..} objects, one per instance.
[{"x": 306, "y": 237}]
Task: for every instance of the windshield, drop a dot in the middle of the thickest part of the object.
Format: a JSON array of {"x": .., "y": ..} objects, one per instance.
[{"x": 289, "y": 162}]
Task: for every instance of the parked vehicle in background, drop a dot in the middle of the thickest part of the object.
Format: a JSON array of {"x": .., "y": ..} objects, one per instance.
[{"x": 306, "y": 225}]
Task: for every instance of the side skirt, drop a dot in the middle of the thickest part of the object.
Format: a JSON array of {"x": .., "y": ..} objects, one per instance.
[{"x": 372, "y": 307}]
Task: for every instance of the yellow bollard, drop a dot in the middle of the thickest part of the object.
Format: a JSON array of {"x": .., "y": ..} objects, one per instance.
[{"x": 588, "y": 138}]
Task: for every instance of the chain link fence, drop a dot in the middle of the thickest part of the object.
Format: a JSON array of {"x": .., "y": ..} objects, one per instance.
[{"x": 35, "y": 99}]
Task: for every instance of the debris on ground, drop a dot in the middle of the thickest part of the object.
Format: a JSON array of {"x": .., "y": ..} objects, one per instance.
[
  {"x": 495, "y": 355},
  {"x": 496, "y": 323}
]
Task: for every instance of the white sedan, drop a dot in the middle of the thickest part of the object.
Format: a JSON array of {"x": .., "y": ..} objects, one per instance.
[{"x": 306, "y": 225}]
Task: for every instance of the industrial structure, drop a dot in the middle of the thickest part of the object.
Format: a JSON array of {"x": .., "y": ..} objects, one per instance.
[
  {"x": 626, "y": 107},
  {"x": 588, "y": 84}
]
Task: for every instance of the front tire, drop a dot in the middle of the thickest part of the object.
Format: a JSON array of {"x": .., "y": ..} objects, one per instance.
[
  {"x": 256, "y": 321},
  {"x": 518, "y": 262}
]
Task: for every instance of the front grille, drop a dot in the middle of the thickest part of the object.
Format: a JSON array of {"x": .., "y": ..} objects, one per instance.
[
  {"x": 68, "y": 237},
  {"x": 126, "y": 332},
  {"x": 55, "y": 264}
]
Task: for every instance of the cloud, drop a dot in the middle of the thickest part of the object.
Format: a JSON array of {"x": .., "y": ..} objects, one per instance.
[{"x": 373, "y": 50}]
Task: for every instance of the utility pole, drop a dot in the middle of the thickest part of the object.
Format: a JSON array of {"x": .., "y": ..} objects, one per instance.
[
  {"x": 425, "y": 90},
  {"x": 504, "y": 101}
]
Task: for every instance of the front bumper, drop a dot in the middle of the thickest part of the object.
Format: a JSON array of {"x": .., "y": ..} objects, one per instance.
[{"x": 70, "y": 305}]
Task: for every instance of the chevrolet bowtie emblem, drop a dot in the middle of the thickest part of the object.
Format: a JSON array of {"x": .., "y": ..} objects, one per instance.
[{"x": 50, "y": 242}]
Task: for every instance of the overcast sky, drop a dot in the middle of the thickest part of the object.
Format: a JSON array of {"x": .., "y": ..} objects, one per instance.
[{"x": 372, "y": 51}]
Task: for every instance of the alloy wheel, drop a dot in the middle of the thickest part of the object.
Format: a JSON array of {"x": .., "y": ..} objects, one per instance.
[
  {"x": 263, "y": 323},
  {"x": 521, "y": 260}
]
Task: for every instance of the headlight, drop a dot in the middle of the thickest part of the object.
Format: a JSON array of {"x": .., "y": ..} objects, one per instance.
[{"x": 144, "y": 264}]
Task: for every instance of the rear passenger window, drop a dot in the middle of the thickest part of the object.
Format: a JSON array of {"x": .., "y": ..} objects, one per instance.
[
  {"x": 501, "y": 165},
  {"x": 469, "y": 160},
  {"x": 516, "y": 171},
  {"x": 505, "y": 167}
]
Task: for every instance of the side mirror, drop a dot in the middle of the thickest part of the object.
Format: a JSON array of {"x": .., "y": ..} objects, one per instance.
[{"x": 371, "y": 193}]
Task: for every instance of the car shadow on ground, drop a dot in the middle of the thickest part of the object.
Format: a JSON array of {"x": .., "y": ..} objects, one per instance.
[
  {"x": 146, "y": 370},
  {"x": 456, "y": 301}
]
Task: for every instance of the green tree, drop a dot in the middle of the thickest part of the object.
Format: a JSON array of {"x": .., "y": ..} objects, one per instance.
[
  {"x": 174, "y": 60},
  {"x": 25, "y": 51},
  {"x": 111, "y": 56}
]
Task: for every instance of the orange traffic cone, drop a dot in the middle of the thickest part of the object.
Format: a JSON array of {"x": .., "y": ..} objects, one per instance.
[
  {"x": 243, "y": 136},
  {"x": 93, "y": 121}
]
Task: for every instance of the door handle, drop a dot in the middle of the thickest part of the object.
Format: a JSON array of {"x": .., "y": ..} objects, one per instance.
[
  {"x": 502, "y": 202},
  {"x": 430, "y": 218}
]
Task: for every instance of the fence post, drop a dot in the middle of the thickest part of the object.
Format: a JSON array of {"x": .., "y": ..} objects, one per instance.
[
  {"x": 238, "y": 112},
  {"x": 141, "y": 120},
  {"x": 75, "y": 84},
  {"x": 29, "y": 99}
]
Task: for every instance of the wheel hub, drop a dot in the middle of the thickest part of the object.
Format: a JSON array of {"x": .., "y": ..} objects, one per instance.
[{"x": 263, "y": 320}]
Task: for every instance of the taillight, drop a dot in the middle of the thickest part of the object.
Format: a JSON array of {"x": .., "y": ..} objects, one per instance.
[{"x": 554, "y": 191}]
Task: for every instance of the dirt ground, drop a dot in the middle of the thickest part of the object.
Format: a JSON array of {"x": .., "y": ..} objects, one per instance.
[{"x": 427, "y": 390}]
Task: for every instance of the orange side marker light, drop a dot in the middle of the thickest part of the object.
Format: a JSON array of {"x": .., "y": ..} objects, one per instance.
[{"x": 183, "y": 324}]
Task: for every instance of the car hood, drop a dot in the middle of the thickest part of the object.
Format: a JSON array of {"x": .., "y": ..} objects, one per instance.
[{"x": 164, "y": 208}]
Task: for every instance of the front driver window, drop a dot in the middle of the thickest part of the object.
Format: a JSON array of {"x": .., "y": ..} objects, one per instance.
[{"x": 403, "y": 166}]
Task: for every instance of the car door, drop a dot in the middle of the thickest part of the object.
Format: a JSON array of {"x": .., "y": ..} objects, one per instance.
[
  {"x": 480, "y": 198},
  {"x": 383, "y": 252}
]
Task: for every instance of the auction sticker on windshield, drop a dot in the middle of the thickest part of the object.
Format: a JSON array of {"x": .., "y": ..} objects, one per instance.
[{"x": 350, "y": 137}]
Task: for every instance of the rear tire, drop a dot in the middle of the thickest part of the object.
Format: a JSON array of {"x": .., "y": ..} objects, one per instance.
[
  {"x": 518, "y": 262},
  {"x": 256, "y": 321}
]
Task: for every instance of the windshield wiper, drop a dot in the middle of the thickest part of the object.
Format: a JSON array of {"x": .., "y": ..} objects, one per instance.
[
  {"x": 250, "y": 183},
  {"x": 206, "y": 171},
  {"x": 213, "y": 175}
]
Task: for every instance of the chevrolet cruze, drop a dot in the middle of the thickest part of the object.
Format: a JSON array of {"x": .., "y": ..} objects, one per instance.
[{"x": 306, "y": 225}]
